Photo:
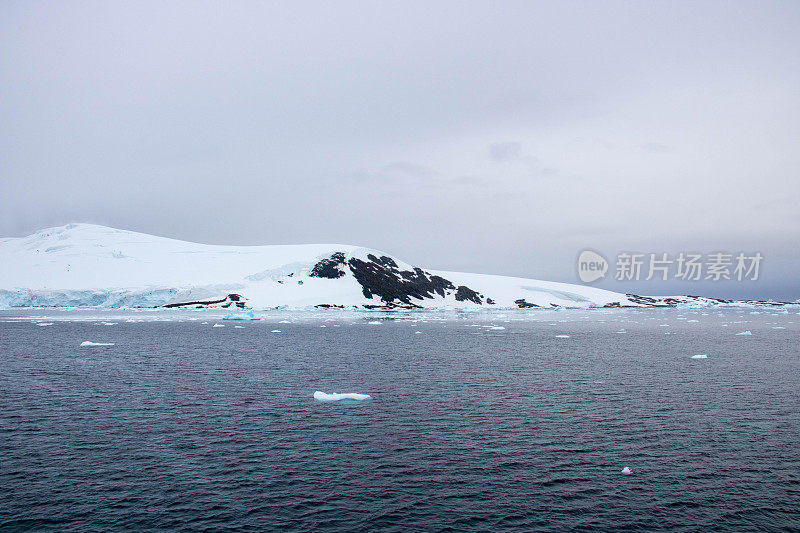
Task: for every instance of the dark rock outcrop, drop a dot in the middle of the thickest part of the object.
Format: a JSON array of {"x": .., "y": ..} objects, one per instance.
[
  {"x": 382, "y": 277},
  {"x": 226, "y": 302},
  {"x": 331, "y": 268},
  {"x": 464, "y": 293}
]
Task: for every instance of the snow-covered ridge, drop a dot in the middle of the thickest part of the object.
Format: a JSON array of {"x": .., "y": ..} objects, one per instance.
[{"x": 84, "y": 265}]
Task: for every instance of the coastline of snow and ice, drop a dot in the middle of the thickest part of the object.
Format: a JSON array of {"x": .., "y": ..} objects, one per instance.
[{"x": 89, "y": 266}]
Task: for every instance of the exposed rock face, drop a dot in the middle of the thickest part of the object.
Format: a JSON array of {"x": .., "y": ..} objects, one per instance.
[
  {"x": 331, "y": 268},
  {"x": 231, "y": 299},
  {"x": 464, "y": 294},
  {"x": 522, "y": 304},
  {"x": 380, "y": 276}
]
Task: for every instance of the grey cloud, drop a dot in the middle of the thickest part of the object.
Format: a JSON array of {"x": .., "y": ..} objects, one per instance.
[
  {"x": 655, "y": 148},
  {"x": 504, "y": 151}
]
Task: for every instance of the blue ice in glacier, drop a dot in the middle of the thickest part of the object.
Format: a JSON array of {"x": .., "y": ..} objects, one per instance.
[{"x": 249, "y": 315}]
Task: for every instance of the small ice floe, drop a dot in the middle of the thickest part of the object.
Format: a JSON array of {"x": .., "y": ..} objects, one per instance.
[
  {"x": 693, "y": 320},
  {"x": 109, "y": 323},
  {"x": 375, "y": 322},
  {"x": 562, "y": 336},
  {"x": 239, "y": 327},
  {"x": 44, "y": 323},
  {"x": 218, "y": 326},
  {"x": 345, "y": 397},
  {"x": 90, "y": 343},
  {"x": 778, "y": 327},
  {"x": 249, "y": 315},
  {"x": 700, "y": 356},
  {"x": 663, "y": 325},
  {"x": 622, "y": 331},
  {"x": 626, "y": 471},
  {"x": 496, "y": 328},
  {"x": 285, "y": 322},
  {"x": 745, "y": 333},
  {"x": 323, "y": 326},
  {"x": 417, "y": 332},
  {"x": 275, "y": 331}
]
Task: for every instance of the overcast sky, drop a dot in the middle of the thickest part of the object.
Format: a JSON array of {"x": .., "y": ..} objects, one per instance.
[{"x": 495, "y": 137}]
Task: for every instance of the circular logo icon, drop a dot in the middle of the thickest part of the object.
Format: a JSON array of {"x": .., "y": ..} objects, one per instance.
[{"x": 591, "y": 266}]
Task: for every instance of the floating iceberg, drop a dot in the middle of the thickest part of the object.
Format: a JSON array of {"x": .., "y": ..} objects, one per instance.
[
  {"x": 218, "y": 326},
  {"x": 90, "y": 343},
  {"x": 745, "y": 333},
  {"x": 249, "y": 315},
  {"x": 562, "y": 336},
  {"x": 375, "y": 322},
  {"x": 700, "y": 356},
  {"x": 275, "y": 331},
  {"x": 346, "y": 397},
  {"x": 627, "y": 471}
]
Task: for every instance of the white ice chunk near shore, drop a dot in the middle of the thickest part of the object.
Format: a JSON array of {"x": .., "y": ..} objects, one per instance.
[
  {"x": 90, "y": 343},
  {"x": 700, "y": 356},
  {"x": 340, "y": 397}
]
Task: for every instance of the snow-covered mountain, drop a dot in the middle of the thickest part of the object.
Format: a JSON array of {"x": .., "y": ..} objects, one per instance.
[{"x": 84, "y": 265}]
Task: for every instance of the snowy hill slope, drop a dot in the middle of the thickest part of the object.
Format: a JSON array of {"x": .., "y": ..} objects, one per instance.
[{"x": 84, "y": 265}]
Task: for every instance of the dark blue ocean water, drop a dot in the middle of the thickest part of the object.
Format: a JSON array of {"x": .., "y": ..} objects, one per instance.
[{"x": 182, "y": 425}]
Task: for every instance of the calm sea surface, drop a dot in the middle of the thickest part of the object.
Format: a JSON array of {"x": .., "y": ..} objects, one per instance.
[{"x": 471, "y": 427}]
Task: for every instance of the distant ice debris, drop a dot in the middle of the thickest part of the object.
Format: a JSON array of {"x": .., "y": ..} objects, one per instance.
[
  {"x": 496, "y": 328},
  {"x": 249, "y": 315},
  {"x": 346, "y": 397},
  {"x": 218, "y": 326},
  {"x": 562, "y": 336},
  {"x": 90, "y": 343},
  {"x": 44, "y": 323},
  {"x": 374, "y": 322},
  {"x": 275, "y": 331},
  {"x": 239, "y": 327},
  {"x": 627, "y": 471},
  {"x": 700, "y": 356},
  {"x": 745, "y": 333}
]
